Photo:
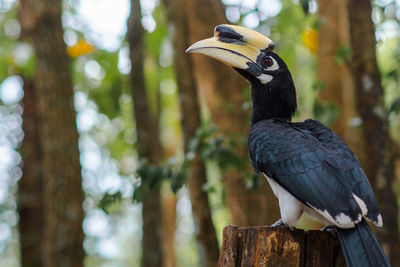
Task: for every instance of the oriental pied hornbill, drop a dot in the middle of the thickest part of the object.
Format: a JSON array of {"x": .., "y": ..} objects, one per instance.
[{"x": 309, "y": 167}]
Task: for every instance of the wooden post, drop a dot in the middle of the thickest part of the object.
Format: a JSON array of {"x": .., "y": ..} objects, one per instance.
[{"x": 256, "y": 246}]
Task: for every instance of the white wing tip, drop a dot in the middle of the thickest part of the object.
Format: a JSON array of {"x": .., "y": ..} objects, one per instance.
[
  {"x": 344, "y": 221},
  {"x": 379, "y": 221},
  {"x": 361, "y": 204},
  {"x": 341, "y": 220}
]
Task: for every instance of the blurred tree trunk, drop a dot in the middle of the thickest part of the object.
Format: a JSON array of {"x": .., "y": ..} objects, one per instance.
[
  {"x": 30, "y": 202},
  {"x": 148, "y": 142},
  {"x": 169, "y": 226},
  {"x": 62, "y": 192},
  {"x": 339, "y": 89},
  {"x": 223, "y": 89},
  {"x": 190, "y": 121},
  {"x": 379, "y": 148}
]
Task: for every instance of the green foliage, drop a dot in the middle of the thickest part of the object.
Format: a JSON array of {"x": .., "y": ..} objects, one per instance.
[
  {"x": 110, "y": 199},
  {"x": 107, "y": 87},
  {"x": 342, "y": 54},
  {"x": 327, "y": 113},
  {"x": 252, "y": 180},
  {"x": 204, "y": 144},
  {"x": 179, "y": 176},
  {"x": 16, "y": 56},
  {"x": 246, "y": 93},
  {"x": 286, "y": 31},
  {"x": 153, "y": 41},
  {"x": 158, "y": 56},
  {"x": 215, "y": 148},
  {"x": 113, "y": 85},
  {"x": 318, "y": 86},
  {"x": 393, "y": 75},
  {"x": 389, "y": 64},
  {"x": 151, "y": 177},
  {"x": 395, "y": 106}
]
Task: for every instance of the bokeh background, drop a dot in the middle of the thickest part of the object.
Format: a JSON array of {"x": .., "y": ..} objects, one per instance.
[{"x": 118, "y": 149}]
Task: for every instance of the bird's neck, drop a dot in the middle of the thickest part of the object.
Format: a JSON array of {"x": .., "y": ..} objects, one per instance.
[{"x": 273, "y": 102}]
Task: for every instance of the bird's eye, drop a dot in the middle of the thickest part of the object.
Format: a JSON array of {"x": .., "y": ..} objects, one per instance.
[{"x": 268, "y": 62}]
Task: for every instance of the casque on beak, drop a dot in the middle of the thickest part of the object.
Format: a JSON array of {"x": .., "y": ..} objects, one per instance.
[{"x": 233, "y": 45}]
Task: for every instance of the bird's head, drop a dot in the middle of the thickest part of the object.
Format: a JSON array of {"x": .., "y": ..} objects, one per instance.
[{"x": 250, "y": 53}]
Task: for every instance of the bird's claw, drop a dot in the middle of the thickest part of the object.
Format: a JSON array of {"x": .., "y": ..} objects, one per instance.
[{"x": 279, "y": 223}]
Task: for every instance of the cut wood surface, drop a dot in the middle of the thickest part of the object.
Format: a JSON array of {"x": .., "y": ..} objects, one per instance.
[{"x": 279, "y": 246}]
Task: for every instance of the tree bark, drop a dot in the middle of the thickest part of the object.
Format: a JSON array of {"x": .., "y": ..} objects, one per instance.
[
  {"x": 148, "y": 142},
  {"x": 190, "y": 121},
  {"x": 169, "y": 226},
  {"x": 336, "y": 77},
  {"x": 30, "y": 187},
  {"x": 223, "y": 89},
  {"x": 379, "y": 148},
  {"x": 62, "y": 192},
  {"x": 279, "y": 246}
]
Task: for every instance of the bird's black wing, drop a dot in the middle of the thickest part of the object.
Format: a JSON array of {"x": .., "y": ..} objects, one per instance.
[
  {"x": 350, "y": 165},
  {"x": 301, "y": 164}
]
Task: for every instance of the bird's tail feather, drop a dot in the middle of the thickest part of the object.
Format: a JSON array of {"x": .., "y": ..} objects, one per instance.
[{"x": 360, "y": 247}]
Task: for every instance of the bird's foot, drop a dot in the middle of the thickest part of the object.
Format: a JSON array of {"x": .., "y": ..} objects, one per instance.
[{"x": 279, "y": 223}]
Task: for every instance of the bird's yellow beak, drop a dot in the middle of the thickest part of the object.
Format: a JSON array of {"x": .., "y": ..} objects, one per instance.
[{"x": 233, "y": 45}]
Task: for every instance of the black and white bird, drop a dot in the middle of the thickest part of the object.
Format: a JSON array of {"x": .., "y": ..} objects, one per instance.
[{"x": 309, "y": 167}]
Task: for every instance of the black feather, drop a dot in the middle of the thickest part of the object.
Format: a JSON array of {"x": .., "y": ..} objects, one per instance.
[
  {"x": 312, "y": 165},
  {"x": 360, "y": 247},
  {"x": 349, "y": 163}
]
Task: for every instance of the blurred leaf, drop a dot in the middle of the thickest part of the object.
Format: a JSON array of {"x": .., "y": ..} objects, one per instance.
[
  {"x": 108, "y": 92},
  {"x": 309, "y": 37},
  {"x": 318, "y": 86},
  {"x": 393, "y": 74},
  {"x": 246, "y": 93},
  {"x": 287, "y": 28},
  {"x": 151, "y": 176},
  {"x": 80, "y": 48},
  {"x": 209, "y": 188},
  {"x": 193, "y": 144},
  {"x": 342, "y": 54},
  {"x": 395, "y": 106},
  {"x": 216, "y": 150},
  {"x": 327, "y": 113},
  {"x": 223, "y": 195},
  {"x": 153, "y": 40},
  {"x": 108, "y": 98},
  {"x": 140, "y": 192},
  {"x": 178, "y": 178},
  {"x": 252, "y": 180},
  {"x": 109, "y": 199},
  {"x": 316, "y": 23}
]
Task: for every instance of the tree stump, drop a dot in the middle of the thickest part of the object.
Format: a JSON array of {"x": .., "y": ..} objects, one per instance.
[{"x": 279, "y": 246}]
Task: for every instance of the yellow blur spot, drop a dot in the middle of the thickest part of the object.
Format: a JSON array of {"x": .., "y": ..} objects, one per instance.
[
  {"x": 79, "y": 49},
  {"x": 309, "y": 37}
]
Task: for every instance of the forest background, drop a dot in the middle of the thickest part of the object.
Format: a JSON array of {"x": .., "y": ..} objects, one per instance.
[{"x": 118, "y": 149}]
